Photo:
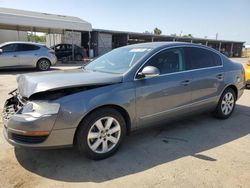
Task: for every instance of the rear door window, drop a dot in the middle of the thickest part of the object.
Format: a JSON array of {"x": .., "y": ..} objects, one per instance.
[
  {"x": 198, "y": 58},
  {"x": 27, "y": 47}
]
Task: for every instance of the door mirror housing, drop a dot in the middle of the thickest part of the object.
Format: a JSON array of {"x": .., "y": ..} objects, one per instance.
[{"x": 148, "y": 72}]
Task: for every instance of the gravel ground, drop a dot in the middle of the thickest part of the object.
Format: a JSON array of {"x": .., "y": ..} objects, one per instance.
[{"x": 195, "y": 152}]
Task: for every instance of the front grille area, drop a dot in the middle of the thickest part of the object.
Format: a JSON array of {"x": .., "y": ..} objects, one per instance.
[
  {"x": 28, "y": 139},
  {"x": 12, "y": 105}
]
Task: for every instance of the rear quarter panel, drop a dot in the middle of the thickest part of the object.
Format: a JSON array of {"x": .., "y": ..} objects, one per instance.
[{"x": 234, "y": 75}]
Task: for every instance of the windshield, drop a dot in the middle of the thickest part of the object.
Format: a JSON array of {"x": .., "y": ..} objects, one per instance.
[{"x": 117, "y": 61}]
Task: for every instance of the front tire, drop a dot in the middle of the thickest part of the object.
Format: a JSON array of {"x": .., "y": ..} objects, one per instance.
[
  {"x": 43, "y": 65},
  {"x": 226, "y": 104},
  {"x": 101, "y": 133}
]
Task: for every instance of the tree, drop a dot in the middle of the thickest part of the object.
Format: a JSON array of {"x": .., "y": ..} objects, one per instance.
[
  {"x": 157, "y": 31},
  {"x": 36, "y": 38}
]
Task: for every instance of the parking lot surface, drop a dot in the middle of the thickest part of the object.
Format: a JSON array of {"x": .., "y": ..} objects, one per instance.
[{"x": 198, "y": 151}]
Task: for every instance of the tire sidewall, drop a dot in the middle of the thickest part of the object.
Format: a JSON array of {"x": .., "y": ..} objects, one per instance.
[{"x": 86, "y": 124}]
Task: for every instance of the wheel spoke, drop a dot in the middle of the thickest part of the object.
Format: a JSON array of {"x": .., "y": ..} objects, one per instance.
[
  {"x": 96, "y": 144},
  {"x": 93, "y": 135},
  {"x": 113, "y": 139},
  {"x": 230, "y": 106},
  {"x": 114, "y": 130},
  {"x": 226, "y": 112},
  {"x": 99, "y": 125},
  {"x": 108, "y": 123},
  {"x": 104, "y": 146}
]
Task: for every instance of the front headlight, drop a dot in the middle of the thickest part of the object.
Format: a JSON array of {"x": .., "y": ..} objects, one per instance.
[{"x": 38, "y": 109}]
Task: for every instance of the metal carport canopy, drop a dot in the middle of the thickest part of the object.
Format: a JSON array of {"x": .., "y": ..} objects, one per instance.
[{"x": 21, "y": 20}]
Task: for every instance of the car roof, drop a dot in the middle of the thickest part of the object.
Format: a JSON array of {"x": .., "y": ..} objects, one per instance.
[
  {"x": 65, "y": 44},
  {"x": 159, "y": 45},
  {"x": 22, "y": 42}
]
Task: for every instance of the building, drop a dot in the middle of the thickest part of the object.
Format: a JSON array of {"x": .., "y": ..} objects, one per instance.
[
  {"x": 103, "y": 41},
  {"x": 14, "y": 25}
]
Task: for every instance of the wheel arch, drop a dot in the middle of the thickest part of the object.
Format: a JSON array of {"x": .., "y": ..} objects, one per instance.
[
  {"x": 234, "y": 88},
  {"x": 41, "y": 59},
  {"x": 120, "y": 109}
]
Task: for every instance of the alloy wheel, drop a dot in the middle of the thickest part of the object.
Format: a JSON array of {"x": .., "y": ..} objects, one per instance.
[
  {"x": 227, "y": 103},
  {"x": 104, "y": 135},
  {"x": 44, "y": 65}
]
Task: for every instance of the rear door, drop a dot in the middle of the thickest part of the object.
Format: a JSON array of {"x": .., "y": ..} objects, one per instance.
[
  {"x": 207, "y": 75},
  {"x": 9, "y": 58},
  {"x": 28, "y": 54}
]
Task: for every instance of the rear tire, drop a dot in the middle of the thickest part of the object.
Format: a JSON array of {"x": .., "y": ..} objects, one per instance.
[
  {"x": 101, "y": 133},
  {"x": 43, "y": 65},
  {"x": 226, "y": 104}
]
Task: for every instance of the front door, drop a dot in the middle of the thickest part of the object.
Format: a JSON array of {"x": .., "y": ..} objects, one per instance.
[
  {"x": 165, "y": 95},
  {"x": 8, "y": 57}
]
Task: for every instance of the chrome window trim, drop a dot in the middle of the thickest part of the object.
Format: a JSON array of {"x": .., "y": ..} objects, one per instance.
[{"x": 179, "y": 46}]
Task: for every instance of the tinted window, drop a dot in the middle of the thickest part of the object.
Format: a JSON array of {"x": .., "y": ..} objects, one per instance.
[
  {"x": 58, "y": 47},
  {"x": 26, "y": 47},
  {"x": 201, "y": 58},
  {"x": 9, "y": 48},
  {"x": 69, "y": 47},
  {"x": 168, "y": 61}
]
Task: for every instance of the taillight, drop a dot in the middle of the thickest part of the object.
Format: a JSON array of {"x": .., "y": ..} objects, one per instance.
[{"x": 52, "y": 52}]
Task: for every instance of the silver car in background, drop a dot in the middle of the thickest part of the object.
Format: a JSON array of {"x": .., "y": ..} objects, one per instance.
[
  {"x": 126, "y": 89},
  {"x": 26, "y": 55}
]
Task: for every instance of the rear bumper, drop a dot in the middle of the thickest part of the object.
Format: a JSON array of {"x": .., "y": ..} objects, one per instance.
[
  {"x": 53, "y": 60},
  {"x": 248, "y": 84}
]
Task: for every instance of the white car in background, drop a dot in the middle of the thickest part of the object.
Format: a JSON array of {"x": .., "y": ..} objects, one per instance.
[{"x": 26, "y": 55}]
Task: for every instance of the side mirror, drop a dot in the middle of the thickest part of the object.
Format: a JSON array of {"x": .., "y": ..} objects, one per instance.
[
  {"x": 149, "y": 71},
  {"x": 1, "y": 51}
]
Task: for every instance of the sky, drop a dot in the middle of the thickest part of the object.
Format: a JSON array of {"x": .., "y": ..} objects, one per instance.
[{"x": 201, "y": 18}]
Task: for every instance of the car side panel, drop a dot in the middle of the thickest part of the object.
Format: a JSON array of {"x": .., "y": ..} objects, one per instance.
[
  {"x": 161, "y": 97},
  {"x": 75, "y": 107},
  {"x": 28, "y": 58},
  {"x": 9, "y": 59},
  {"x": 207, "y": 86},
  {"x": 234, "y": 75}
]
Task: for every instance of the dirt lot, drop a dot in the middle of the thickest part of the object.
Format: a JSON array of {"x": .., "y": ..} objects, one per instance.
[{"x": 196, "y": 152}]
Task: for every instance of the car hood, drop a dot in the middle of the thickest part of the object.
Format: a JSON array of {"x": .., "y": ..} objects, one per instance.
[{"x": 28, "y": 84}]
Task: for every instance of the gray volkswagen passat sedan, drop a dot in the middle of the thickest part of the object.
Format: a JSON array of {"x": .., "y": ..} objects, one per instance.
[
  {"x": 94, "y": 107},
  {"x": 26, "y": 55}
]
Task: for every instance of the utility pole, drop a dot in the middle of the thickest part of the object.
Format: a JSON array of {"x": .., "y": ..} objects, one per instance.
[{"x": 217, "y": 36}]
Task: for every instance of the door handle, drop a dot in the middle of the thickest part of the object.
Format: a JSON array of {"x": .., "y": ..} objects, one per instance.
[
  {"x": 185, "y": 83},
  {"x": 219, "y": 76},
  {"x": 14, "y": 55}
]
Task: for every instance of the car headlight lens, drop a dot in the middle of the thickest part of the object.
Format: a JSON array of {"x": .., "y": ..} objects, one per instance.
[{"x": 38, "y": 109}]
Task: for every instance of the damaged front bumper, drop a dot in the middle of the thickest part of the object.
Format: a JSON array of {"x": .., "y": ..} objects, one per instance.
[{"x": 29, "y": 131}]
